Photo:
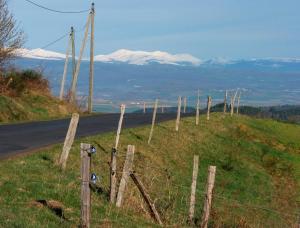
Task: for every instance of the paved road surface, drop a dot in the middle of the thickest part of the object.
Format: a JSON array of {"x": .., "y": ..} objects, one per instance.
[{"x": 27, "y": 137}]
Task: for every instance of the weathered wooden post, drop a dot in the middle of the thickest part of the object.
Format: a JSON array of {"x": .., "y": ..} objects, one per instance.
[
  {"x": 178, "y": 114},
  {"x": 69, "y": 140},
  {"x": 144, "y": 107},
  {"x": 122, "y": 107},
  {"x": 184, "y": 104},
  {"x": 193, "y": 189},
  {"x": 91, "y": 78},
  {"x": 225, "y": 102},
  {"x": 162, "y": 109},
  {"x": 153, "y": 120},
  {"x": 147, "y": 198},
  {"x": 113, "y": 164},
  {"x": 232, "y": 102},
  {"x": 75, "y": 77},
  {"x": 209, "y": 102},
  {"x": 85, "y": 188},
  {"x": 126, "y": 172},
  {"x": 198, "y": 108},
  {"x": 208, "y": 195},
  {"x": 238, "y": 103},
  {"x": 62, "y": 86}
]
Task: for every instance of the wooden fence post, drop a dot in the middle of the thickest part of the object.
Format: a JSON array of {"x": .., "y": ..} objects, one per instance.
[
  {"x": 153, "y": 121},
  {"x": 184, "y": 104},
  {"x": 225, "y": 102},
  {"x": 144, "y": 108},
  {"x": 178, "y": 114},
  {"x": 208, "y": 195},
  {"x": 209, "y": 101},
  {"x": 193, "y": 189},
  {"x": 238, "y": 104},
  {"x": 85, "y": 188},
  {"x": 147, "y": 198},
  {"x": 162, "y": 109},
  {"x": 198, "y": 108},
  {"x": 113, "y": 163},
  {"x": 120, "y": 125},
  {"x": 126, "y": 171},
  {"x": 69, "y": 140}
]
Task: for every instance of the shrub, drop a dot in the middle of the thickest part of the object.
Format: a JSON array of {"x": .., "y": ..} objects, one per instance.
[{"x": 15, "y": 83}]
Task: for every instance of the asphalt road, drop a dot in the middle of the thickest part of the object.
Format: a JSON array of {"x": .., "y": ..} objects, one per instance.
[{"x": 28, "y": 137}]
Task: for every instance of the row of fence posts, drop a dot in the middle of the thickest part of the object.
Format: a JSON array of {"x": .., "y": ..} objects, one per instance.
[{"x": 89, "y": 179}]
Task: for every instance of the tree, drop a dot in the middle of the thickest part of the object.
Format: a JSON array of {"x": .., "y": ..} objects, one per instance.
[{"x": 11, "y": 37}]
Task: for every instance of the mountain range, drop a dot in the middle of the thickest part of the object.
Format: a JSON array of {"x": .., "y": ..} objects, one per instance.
[
  {"x": 132, "y": 77},
  {"x": 160, "y": 57}
]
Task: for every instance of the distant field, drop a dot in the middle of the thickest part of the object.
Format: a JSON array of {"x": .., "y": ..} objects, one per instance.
[{"x": 257, "y": 179}]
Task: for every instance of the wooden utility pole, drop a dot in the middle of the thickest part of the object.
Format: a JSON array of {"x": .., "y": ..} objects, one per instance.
[
  {"x": 62, "y": 86},
  {"x": 178, "y": 114},
  {"x": 69, "y": 140},
  {"x": 75, "y": 78},
  {"x": 238, "y": 103},
  {"x": 153, "y": 120},
  {"x": 73, "y": 59},
  {"x": 113, "y": 164},
  {"x": 85, "y": 188},
  {"x": 184, "y": 104},
  {"x": 232, "y": 102},
  {"x": 198, "y": 108},
  {"x": 225, "y": 102},
  {"x": 193, "y": 188},
  {"x": 208, "y": 195},
  {"x": 90, "y": 100},
  {"x": 147, "y": 198},
  {"x": 127, "y": 169},
  {"x": 209, "y": 101}
]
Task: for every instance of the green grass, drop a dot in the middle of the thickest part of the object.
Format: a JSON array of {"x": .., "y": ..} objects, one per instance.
[
  {"x": 32, "y": 106},
  {"x": 257, "y": 179}
]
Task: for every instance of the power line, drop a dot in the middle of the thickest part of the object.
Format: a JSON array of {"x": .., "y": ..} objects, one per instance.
[
  {"x": 53, "y": 10},
  {"x": 60, "y": 38},
  {"x": 55, "y": 41}
]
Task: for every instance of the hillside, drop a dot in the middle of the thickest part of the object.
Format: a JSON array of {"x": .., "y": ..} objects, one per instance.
[
  {"x": 25, "y": 95},
  {"x": 257, "y": 179}
]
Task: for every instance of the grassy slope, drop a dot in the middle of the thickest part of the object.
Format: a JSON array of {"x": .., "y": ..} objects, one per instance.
[
  {"x": 257, "y": 181},
  {"x": 32, "y": 106}
]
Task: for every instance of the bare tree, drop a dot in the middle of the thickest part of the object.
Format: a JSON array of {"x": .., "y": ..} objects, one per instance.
[{"x": 11, "y": 37}]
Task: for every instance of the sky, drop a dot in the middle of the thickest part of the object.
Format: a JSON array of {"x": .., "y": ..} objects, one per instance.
[{"x": 232, "y": 29}]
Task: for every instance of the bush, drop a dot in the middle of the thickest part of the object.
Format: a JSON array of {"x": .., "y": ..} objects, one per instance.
[{"x": 15, "y": 83}]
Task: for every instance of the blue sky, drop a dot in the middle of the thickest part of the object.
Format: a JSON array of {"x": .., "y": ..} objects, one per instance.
[{"x": 203, "y": 28}]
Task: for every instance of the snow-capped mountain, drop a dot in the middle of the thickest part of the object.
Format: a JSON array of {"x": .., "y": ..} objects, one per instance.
[
  {"x": 122, "y": 55},
  {"x": 40, "y": 54},
  {"x": 144, "y": 57}
]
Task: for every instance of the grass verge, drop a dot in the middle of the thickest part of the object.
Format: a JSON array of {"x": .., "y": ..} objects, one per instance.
[{"x": 257, "y": 179}]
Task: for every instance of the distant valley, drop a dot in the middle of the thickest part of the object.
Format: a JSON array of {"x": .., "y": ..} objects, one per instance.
[{"x": 133, "y": 77}]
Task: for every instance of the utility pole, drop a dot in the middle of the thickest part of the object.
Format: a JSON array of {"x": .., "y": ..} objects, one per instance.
[
  {"x": 90, "y": 101},
  {"x": 74, "y": 83},
  {"x": 73, "y": 54},
  {"x": 62, "y": 86}
]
